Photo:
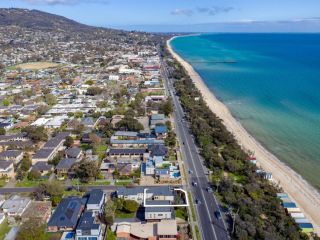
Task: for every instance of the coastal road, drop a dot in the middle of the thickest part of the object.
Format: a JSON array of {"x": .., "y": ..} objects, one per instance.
[{"x": 210, "y": 226}]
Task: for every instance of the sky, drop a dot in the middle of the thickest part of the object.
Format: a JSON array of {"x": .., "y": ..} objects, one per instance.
[{"x": 186, "y": 15}]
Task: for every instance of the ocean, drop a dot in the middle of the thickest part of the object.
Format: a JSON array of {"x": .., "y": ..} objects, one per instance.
[{"x": 271, "y": 84}]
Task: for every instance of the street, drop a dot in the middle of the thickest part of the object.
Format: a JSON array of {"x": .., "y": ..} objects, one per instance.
[{"x": 210, "y": 226}]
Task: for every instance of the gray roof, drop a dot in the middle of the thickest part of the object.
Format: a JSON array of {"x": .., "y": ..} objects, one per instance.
[
  {"x": 158, "y": 209},
  {"x": 125, "y": 191},
  {"x": 87, "y": 222},
  {"x": 42, "y": 166},
  {"x": 157, "y": 117},
  {"x": 160, "y": 190},
  {"x": 42, "y": 153},
  {"x": 10, "y": 154},
  {"x": 5, "y": 164},
  {"x": 127, "y": 151},
  {"x": 95, "y": 196},
  {"x": 126, "y": 133},
  {"x": 55, "y": 141},
  {"x": 87, "y": 121},
  {"x": 158, "y": 150},
  {"x": 67, "y": 213},
  {"x": 139, "y": 141},
  {"x": 66, "y": 163},
  {"x": 73, "y": 152}
]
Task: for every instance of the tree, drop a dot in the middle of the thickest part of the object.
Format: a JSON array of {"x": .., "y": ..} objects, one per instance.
[
  {"x": 36, "y": 134},
  {"x": 2, "y": 131},
  {"x": 69, "y": 142},
  {"x": 31, "y": 230},
  {"x": 92, "y": 91},
  {"x": 34, "y": 175},
  {"x": 95, "y": 139},
  {"x": 25, "y": 163},
  {"x": 109, "y": 212},
  {"x": 5, "y": 102},
  {"x": 129, "y": 124},
  {"x": 78, "y": 114},
  {"x": 86, "y": 170},
  {"x": 166, "y": 107},
  {"x": 89, "y": 82},
  {"x": 130, "y": 206},
  {"x": 50, "y": 99},
  {"x": 42, "y": 109},
  {"x": 53, "y": 189}
]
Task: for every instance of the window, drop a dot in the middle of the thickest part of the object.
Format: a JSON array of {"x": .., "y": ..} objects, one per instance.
[
  {"x": 92, "y": 238},
  {"x": 81, "y": 238}
]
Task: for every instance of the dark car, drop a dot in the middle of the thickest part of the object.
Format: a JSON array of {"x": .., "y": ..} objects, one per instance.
[
  {"x": 217, "y": 214},
  {"x": 198, "y": 201}
]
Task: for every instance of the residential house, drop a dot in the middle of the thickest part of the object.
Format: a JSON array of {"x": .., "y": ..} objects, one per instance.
[
  {"x": 6, "y": 169},
  {"x": 63, "y": 169},
  {"x": 13, "y": 155},
  {"x": 135, "y": 193},
  {"x": 66, "y": 215},
  {"x": 158, "y": 213},
  {"x": 127, "y": 153},
  {"x": 96, "y": 201},
  {"x": 161, "y": 131},
  {"x": 15, "y": 205},
  {"x": 42, "y": 167},
  {"x": 88, "y": 228},
  {"x": 163, "y": 230},
  {"x": 73, "y": 152}
]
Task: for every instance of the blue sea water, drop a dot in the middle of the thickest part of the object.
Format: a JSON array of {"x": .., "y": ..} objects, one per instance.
[{"x": 273, "y": 89}]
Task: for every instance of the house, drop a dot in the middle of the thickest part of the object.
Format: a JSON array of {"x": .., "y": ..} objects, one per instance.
[
  {"x": 66, "y": 215},
  {"x": 6, "y": 169},
  {"x": 162, "y": 173},
  {"x": 39, "y": 211},
  {"x": 88, "y": 228},
  {"x": 134, "y": 143},
  {"x": 149, "y": 168},
  {"x": 50, "y": 149},
  {"x": 124, "y": 168},
  {"x": 163, "y": 193},
  {"x": 64, "y": 166},
  {"x": 156, "y": 119},
  {"x": 163, "y": 230},
  {"x": 158, "y": 213},
  {"x": 88, "y": 122},
  {"x": 161, "y": 130},
  {"x": 126, "y": 152},
  {"x": 96, "y": 201},
  {"x": 115, "y": 119},
  {"x": 73, "y": 152},
  {"x": 42, "y": 167},
  {"x": 129, "y": 135},
  {"x": 14, "y": 155},
  {"x": 135, "y": 193},
  {"x": 15, "y": 205},
  {"x": 158, "y": 150}
]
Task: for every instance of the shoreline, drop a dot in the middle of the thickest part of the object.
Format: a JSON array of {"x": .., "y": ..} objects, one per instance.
[{"x": 304, "y": 194}]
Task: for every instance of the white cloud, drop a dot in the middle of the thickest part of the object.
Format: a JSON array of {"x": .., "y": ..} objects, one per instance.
[{"x": 182, "y": 12}]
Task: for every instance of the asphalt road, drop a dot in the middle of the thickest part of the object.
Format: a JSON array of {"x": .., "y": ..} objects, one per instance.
[{"x": 210, "y": 226}]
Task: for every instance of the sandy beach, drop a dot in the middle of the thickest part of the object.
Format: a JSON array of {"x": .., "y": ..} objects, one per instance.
[{"x": 306, "y": 196}]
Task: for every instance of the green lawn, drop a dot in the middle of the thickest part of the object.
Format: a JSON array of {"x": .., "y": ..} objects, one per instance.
[
  {"x": 120, "y": 214},
  {"x": 4, "y": 229},
  {"x": 49, "y": 235},
  {"x": 110, "y": 235},
  {"x": 182, "y": 213},
  {"x": 75, "y": 182},
  {"x": 2, "y": 182},
  {"x": 198, "y": 235},
  {"x": 29, "y": 183},
  {"x": 100, "y": 150},
  {"x": 123, "y": 182},
  {"x": 193, "y": 212},
  {"x": 72, "y": 193}
]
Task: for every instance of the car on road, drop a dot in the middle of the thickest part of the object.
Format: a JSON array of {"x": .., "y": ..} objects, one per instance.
[
  {"x": 217, "y": 214},
  {"x": 209, "y": 189},
  {"x": 194, "y": 184},
  {"x": 198, "y": 201},
  {"x": 190, "y": 171}
]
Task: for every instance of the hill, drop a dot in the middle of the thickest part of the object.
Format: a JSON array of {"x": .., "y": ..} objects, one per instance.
[{"x": 38, "y": 20}]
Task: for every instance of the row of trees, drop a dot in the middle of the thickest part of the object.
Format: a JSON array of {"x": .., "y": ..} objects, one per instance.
[{"x": 260, "y": 214}]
